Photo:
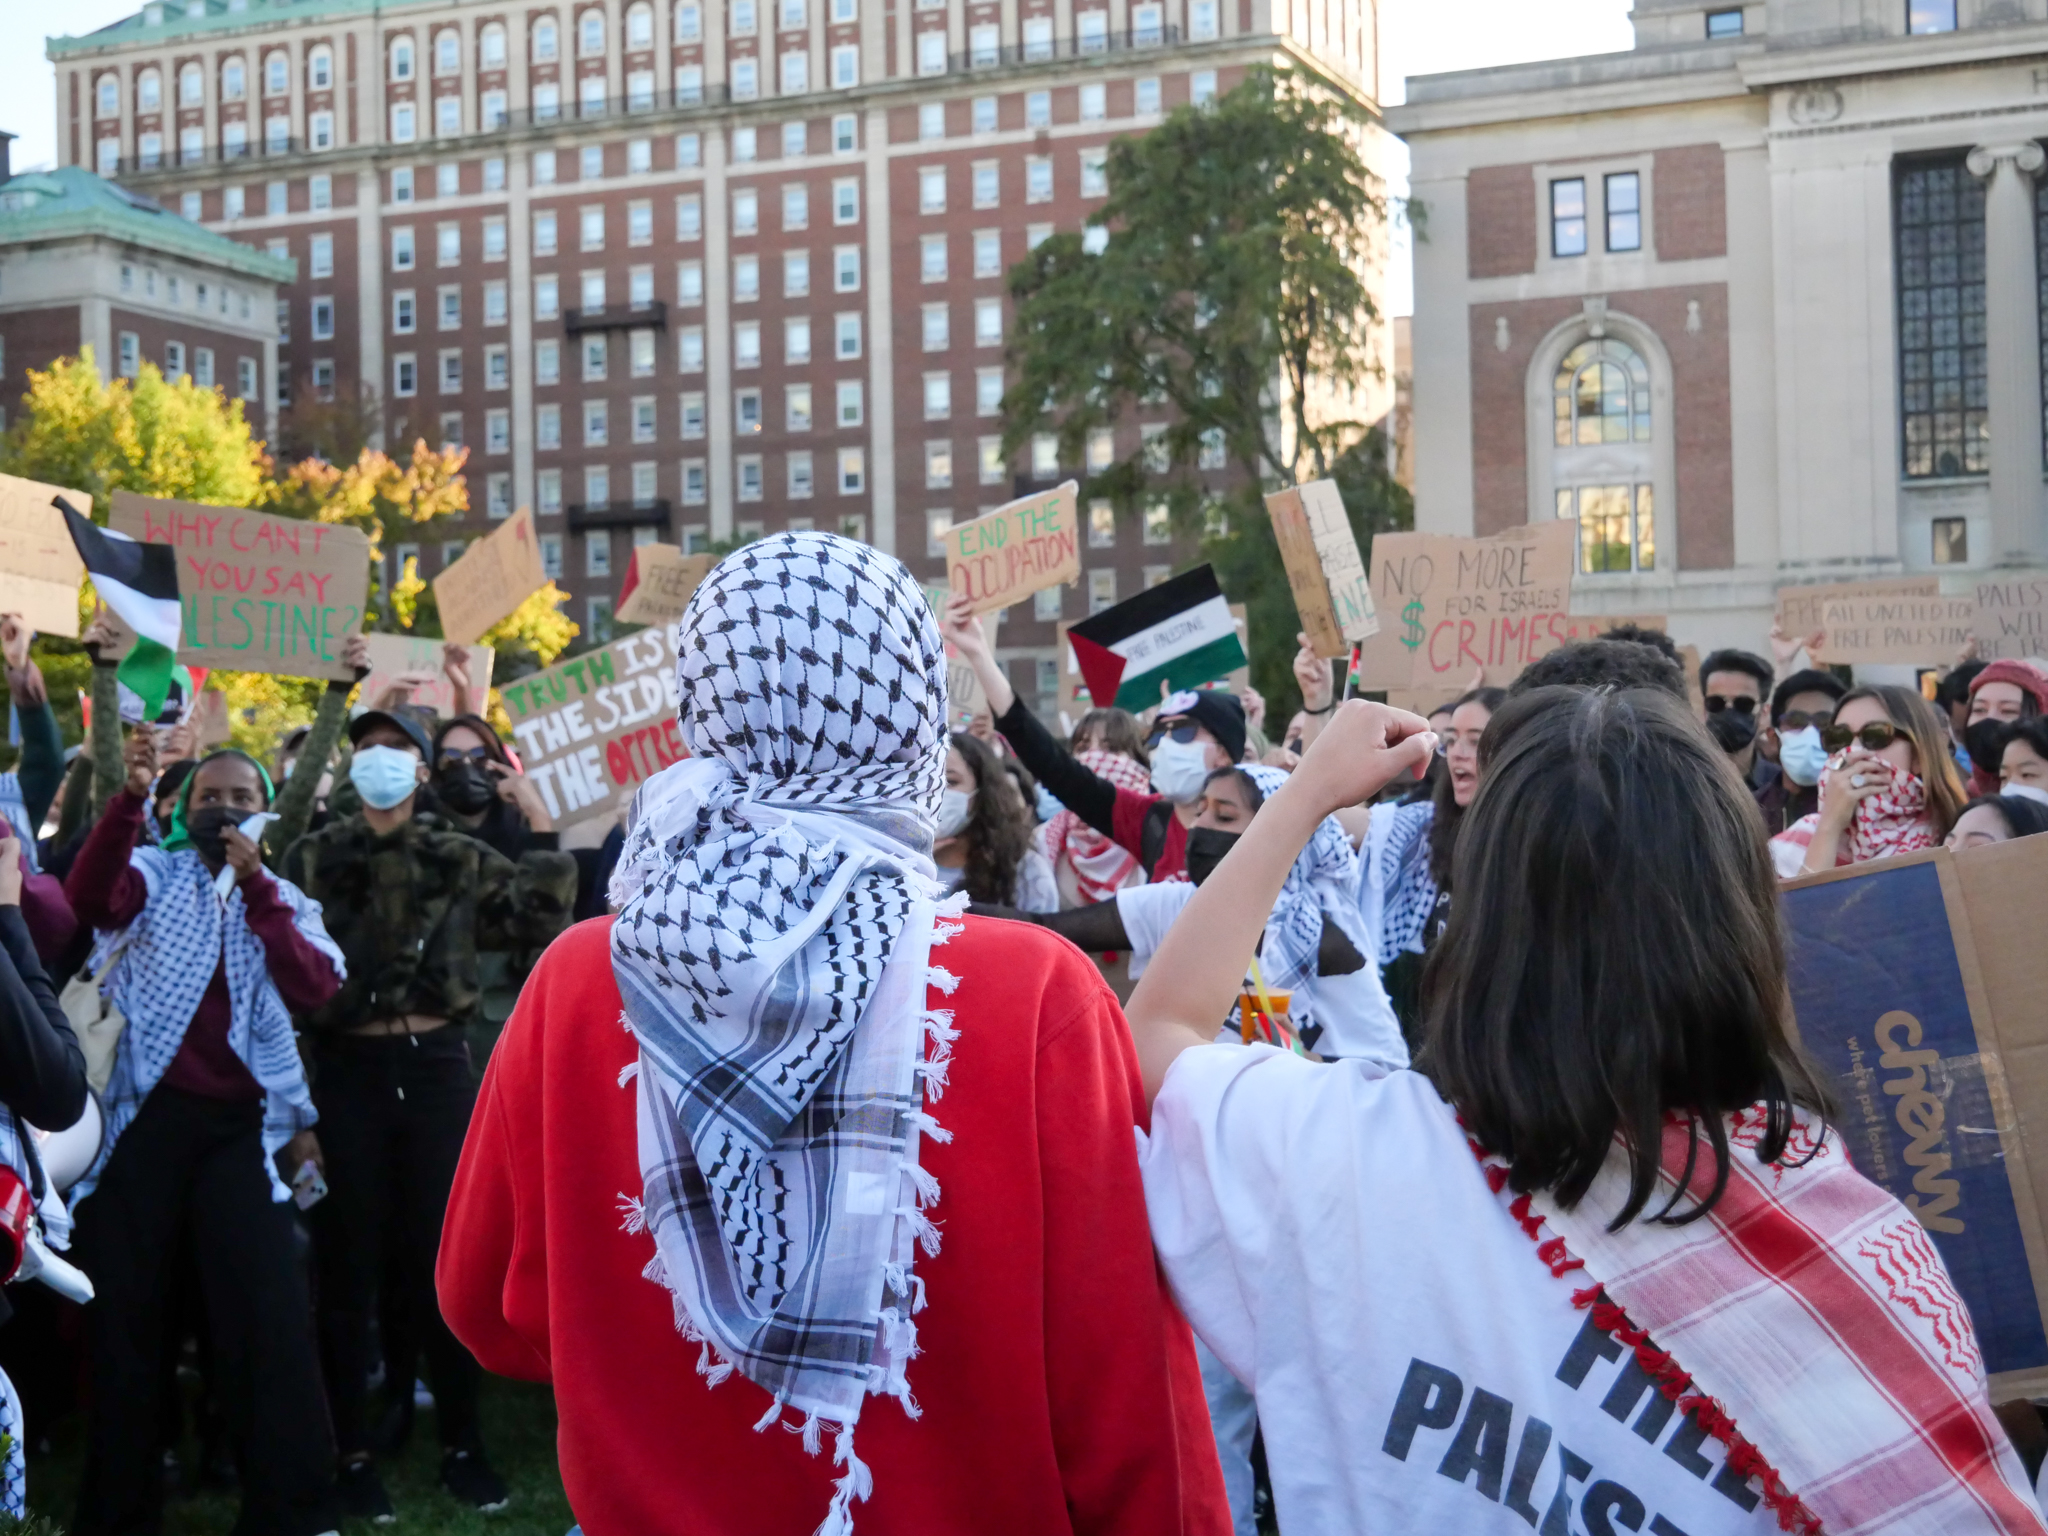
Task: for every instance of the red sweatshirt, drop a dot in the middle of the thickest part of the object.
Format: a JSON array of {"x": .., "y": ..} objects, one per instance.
[
  {"x": 107, "y": 891},
  {"x": 1058, "y": 1382}
]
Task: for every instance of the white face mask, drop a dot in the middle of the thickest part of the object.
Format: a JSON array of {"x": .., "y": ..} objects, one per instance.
[
  {"x": 1180, "y": 769},
  {"x": 955, "y": 807},
  {"x": 383, "y": 776},
  {"x": 1802, "y": 756}
]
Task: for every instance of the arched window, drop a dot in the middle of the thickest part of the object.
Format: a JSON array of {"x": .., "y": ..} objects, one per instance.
[
  {"x": 492, "y": 46},
  {"x": 547, "y": 44},
  {"x": 447, "y": 52},
  {"x": 277, "y": 75},
  {"x": 590, "y": 34},
  {"x": 234, "y": 84},
  {"x": 191, "y": 86},
  {"x": 320, "y": 70},
  {"x": 149, "y": 91},
  {"x": 1602, "y": 392},
  {"x": 107, "y": 97},
  {"x": 640, "y": 27},
  {"x": 401, "y": 59},
  {"x": 1603, "y": 467}
]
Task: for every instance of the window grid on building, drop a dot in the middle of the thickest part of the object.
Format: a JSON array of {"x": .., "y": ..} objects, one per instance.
[{"x": 1944, "y": 417}]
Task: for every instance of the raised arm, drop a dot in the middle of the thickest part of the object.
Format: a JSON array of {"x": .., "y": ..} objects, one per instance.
[
  {"x": 104, "y": 744},
  {"x": 1318, "y": 694},
  {"x": 294, "y": 804},
  {"x": 1201, "y": 965},
  {"x": 42, "y": 745}
]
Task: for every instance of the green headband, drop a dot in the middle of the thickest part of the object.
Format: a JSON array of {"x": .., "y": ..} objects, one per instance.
[{"x": 179, "y": 836}]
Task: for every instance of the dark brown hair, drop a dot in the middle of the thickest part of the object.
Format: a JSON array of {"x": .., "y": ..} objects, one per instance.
[
  {"x": 1119, "y": 732},
  {"x": 1929, "y": 734},
  {"x": 998, "y": 832},
  {"x": 1614, "y": 952},
  {"x": 1443, "y": 826}
]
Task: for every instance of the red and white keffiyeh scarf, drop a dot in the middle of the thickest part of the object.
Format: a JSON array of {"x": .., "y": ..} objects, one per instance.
[
  {"x": 1884, "y": 826},
  {"x": 1809, "y": 1324},
  {"x": 1100, "y": 866}
]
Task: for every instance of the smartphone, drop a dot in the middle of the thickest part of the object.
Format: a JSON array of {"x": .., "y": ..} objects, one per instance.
[{"x": 309, "y": 1188}]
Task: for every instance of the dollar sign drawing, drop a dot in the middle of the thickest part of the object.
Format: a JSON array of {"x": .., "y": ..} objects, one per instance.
[{"x": 1411, "y": 618}]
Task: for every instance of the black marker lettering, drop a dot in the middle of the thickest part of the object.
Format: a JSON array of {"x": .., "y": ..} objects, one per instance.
[
  {"x": 1429, "y": 1400},
  {"x": 1607, "y": 1499},
  {"x": 1528, "y": 1462},
  {"x": 1627, "y": 1390},
  {"x": 1591, "y": 1344},
  {"x": 1571, "y": 1467},
  {"x": 1482, "y": 1444},
  {"x": 1684, "y": 1447}
]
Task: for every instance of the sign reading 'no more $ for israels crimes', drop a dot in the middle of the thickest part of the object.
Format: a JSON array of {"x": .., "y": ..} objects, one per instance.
[{"x": 591, "y": 729}]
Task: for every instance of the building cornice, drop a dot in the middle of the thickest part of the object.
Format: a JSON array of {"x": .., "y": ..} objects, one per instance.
[{"x": 1522, "y": 94}]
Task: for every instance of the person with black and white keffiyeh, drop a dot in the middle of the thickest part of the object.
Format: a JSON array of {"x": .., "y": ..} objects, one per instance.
[{"x": 799, "y": 1208}]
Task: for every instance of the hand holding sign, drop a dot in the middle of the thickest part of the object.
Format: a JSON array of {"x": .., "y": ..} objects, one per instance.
[
  {"x": 1016, "y": 550},
  {"x": 1331, "y": 591}
]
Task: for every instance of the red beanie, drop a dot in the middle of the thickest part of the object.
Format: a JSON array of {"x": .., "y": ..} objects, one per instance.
[{"x": 2022, "y": 674}]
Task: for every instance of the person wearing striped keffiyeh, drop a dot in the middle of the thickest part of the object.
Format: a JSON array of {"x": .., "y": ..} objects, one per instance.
[{"x": 796, "y": 995}]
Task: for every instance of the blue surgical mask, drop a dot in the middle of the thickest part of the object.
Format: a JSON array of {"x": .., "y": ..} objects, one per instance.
[
  {"x": 383, "y": 776},
  {"x": 1801, "y": 756},
  {"x": 1180, "y": 769}
]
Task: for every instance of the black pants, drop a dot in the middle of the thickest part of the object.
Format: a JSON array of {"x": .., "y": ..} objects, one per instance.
[
  {"x": 393, "y": 1113},
  {"x": 187, "y": 1162}
]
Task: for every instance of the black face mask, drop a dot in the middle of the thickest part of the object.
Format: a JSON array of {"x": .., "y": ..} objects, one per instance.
[
  {"x": 464, "y": 789},
  {"x": 1206, "y": 848},
  {"x": 1985, "y": 742},
  {"x": 1733, "y": 731},
  {"x": 208, "y": 830}
]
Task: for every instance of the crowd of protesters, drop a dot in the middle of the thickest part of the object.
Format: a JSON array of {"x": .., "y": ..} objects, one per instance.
[{"x": 279, "y": 974}]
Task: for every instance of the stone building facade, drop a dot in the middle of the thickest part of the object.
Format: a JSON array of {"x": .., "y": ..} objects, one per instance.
[{"x": 1757, "y": 302}]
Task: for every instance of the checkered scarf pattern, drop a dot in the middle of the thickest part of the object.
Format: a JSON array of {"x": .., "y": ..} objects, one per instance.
[
  {"x": 777, "y": 907},
  {"x": 1322, "y": 883},
  {"x": 1100, "y": 866},
  {"x": 182, "y": 934}
]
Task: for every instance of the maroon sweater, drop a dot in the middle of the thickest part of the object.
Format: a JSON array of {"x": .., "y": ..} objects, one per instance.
[{"x": 107, "y": 891}]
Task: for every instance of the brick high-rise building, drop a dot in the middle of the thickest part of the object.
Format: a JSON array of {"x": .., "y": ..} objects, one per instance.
[{"x": 677, "y": 270}]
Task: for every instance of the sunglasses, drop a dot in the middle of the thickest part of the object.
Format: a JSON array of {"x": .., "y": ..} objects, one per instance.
[
  {"x": 450, "y": 756},
  {"x": 1874, "y": 737},
  {"x": 1800, "y": 719},
  {"x": 1182, "y": 733},
  {"x": 1742, "y": 704}
]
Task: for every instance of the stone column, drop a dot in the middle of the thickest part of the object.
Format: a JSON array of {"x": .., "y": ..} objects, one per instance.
[{"x": 2012, "y": 309}]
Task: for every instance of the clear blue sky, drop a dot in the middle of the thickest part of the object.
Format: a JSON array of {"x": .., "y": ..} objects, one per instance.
[{"x": 1417, "y": 37}]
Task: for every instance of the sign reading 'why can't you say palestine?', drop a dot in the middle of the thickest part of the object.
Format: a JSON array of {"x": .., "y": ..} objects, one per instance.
[{"x": 591, "y": 729}]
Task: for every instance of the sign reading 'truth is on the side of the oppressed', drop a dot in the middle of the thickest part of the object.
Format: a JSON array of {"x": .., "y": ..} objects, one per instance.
[{"x": 589, "y": 730}]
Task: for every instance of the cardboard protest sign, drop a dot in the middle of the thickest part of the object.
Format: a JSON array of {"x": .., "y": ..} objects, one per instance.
[
  {"x": 1452, "y": 606},
  {"x": 39, "y": 565},
  {"x": 494, "y": 576},
  {"x": 1016, "y": 550},
  {"x": 211, "y": 726},
  {"x": 392, "y": 657},
  {"x": 965, "y": 697},
  {"x": 1916, "y": 983},
  {"x": 589, "y": 730},
  {"x": 260, "y": 593},
  {"x": 1800, "y": 610},
  {"x": 660, "y": 579},
  {"x": 1898, "y": 627},
  {"x": 2012, "y": 615},
  {"x": 1331, "y": 591}
]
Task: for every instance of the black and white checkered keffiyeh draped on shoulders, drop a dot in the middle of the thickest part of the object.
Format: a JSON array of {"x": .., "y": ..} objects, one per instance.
[{"x": 777, "y": 908}]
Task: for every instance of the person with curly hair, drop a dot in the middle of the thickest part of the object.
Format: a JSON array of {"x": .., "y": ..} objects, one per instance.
[{"x": 985, "y": 834}]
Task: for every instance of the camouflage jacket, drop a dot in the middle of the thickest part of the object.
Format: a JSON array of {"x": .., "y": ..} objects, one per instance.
[{"x": 411, "y": 910}]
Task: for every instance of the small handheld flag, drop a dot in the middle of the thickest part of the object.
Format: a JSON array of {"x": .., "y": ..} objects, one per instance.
[
  {"x": 140, "y": 583},
  {"x": 1179, "y": 634}
]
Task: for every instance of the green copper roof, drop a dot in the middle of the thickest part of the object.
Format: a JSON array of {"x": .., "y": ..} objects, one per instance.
[
  {"x": 70, "y": 203},
  {"x": 186, "y": 18}
]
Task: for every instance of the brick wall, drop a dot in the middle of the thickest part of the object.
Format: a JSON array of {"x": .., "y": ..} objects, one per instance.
[
  {"x": 1689, "y": 197},
  {"x": 1703, "y": 496},
  {"x": 152, "y": 331},
  {"x": 1500, "y": 220},
  {"x": 34, "y": 339}
]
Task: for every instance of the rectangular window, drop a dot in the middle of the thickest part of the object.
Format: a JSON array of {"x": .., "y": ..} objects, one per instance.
[
  {"x": 846, "y": 201},
  {"x": 448, "y": 245},
  {"x": 323, "y": 319},
  {"x": 1037, "y": 38},
  {"x": 796, "y": 413},
  {"x": 1045, "y": 456},
  {"x": 932, "y": 258},
  {"x": 544, "y": 232},
  {"x": 1951, "y": 541},
  {"x": 936, "y": 526},
  {"x": 1038, "y": 179},
  {"x": 640, "y": 222},
  {"x": 405, "y": 378},
  {"x": 988, "y": 253},
  {"x": 988, "y": 322},
  {"x": 689, "y": 282},
  {"x": 1624, "y": 211},
  {"x": 547, "y": 298},
  {"x": 848, "y": 404},
  {"x": 1101, "y": 525},
  {"x": 931, "y": 189},
  {"x": 1100, "y": 451},
  {"x": 640, "y": 353},
  {"x": 1931, "y": 15},
  {"x": 1095, "y": 173},
  {"x": 845, "y": 66},
  {"x": 202, "y": 369},
  {"x": 796, "y": 274},
  {"x": 690, "y": 421},
  {"x": 497, "y": 367},
  {"x": 746, "y": 211},
  {"x": 846, "y": 269},
  {"x": 1145, "y": 98},
  {"x": 1045, "y": 608},
  {"x": 174, "y": 359},
  {"x": 746, "y": 79},
  {"x": 597, "y": 547},
  {"x": 547, "y": 362},
  {"x": 746, "y": 344},
  {"x": 401, "y": 249},
  {"x": 403, "y": 319},
  {"x": 746, "y": 278},
  {"x": 690, "y": 349},
  {"x": 937, "y": 327},
  {"x": 800, "y": 473},
  {"x": 1094, "y": 103},
  {"x": 989, "y": 455},
  {"x": 551, "y": 543},
  {"x": 987, "y": 184},
  {"x": 548, "y": 492},
  {"x": 547, "y": 426},
  {"x": 1568, "y": 217},
  {"x": 496, "y": 306},
  {"x": 1101, "y": 591},
  {"x": 1943, "y": 354},
  {"x": 1158, "y": 524},
  {"x": 590, "y": 227},
  {"x": 746, "y": 412},
  {"x": 451, "y": 372},
  {"x": 984, "y": 47},
  {"x": 593, "y": 291},
  {"x": 938, "y": 465},
  {"x": 494, "y": 239},
  {"x": 497, "y": 431},
  {"x": 643, "y": 496},
  {"x": 796, "y": 339},
  {"x": 1202, "y": 86},
  {"x": 693, "y": 486},
  {"x": 690, "y": 217},
  {"x": 938, "y": 396},
  {"x": 596, "y": 356},
  {"x": 597, "y": 423},
  {"x": 245, "y": 368},
  {"x": 796, "y": 207},
  {"x": 931, "y": 52},
  {"x": 1617, "y": 526},
  {"x": 450, "y": 308},
  {"x": 1037, "y": 104},
  {"x": 846, "y": 336},
  {"x": 498, "y": 497},
  {"x": 1722, "y": 24},
  {"x": 748, "y": 466},
  {"x": 988, "y": 391},
  {"x": 852, "y": 471}
]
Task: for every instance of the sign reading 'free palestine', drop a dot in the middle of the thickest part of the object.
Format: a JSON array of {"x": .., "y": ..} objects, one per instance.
[{"x": 260, "y": 593}]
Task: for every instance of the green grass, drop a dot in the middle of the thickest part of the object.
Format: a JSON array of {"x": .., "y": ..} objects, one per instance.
[{"x": 519, "y": 1429}]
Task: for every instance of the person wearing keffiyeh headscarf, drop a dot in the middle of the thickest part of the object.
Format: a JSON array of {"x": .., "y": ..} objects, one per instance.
[{"x": 760, "y": 1177}]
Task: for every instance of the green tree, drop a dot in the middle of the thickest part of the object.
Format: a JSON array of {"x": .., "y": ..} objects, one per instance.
[{"x": 1232, "y": 297}]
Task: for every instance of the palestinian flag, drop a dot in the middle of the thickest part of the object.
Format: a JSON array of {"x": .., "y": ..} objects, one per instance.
[
  {"x": 140, "y": 583},
  {"x": 1176, "y": 635}
]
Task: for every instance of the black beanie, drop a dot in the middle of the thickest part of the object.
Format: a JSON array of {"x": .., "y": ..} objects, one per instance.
[{"x": 1217, "y": 710}]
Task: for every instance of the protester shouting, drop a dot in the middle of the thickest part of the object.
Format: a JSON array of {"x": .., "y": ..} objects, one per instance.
[
  {"x": 207, "y": 1093},
  {"x": 1196, "y": 733},
  {"x": 410, "y": 901},
  {"x": 1801, "y": 707},
  {"x": 1621, "y": 1275},
  {"x": 1889, "y": 787},
  {"x": 779, "y": 932}
]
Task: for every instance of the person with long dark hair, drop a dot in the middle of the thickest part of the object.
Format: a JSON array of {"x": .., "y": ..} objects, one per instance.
[
  {"x": 1598, "y": 1262},
  {"x": 1997, "y": 819},
  {"x": 984, "y": 844},
  {"x": 481, "y": 791},
  {"x": 1889, "y": 787}
]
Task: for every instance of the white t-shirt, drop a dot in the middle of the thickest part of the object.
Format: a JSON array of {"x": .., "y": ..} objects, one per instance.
[
  {"x": 1356, "y": 1018},
  {"x": 1331, "y": 1237}
]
